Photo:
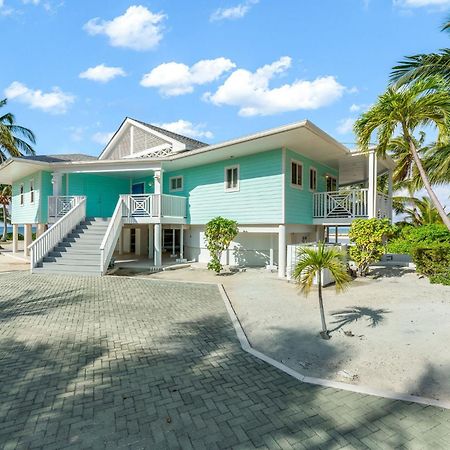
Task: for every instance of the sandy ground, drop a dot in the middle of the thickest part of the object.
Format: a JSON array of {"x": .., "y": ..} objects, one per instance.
[
  {"x": 10, "y": 262},
  {"x": 390, "y": 331}
]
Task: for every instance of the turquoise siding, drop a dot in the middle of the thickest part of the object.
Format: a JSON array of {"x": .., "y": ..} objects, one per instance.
[
  {"x": 102, "y": 192},
  {"x": 258, "y": 201},
  {"x": 28, "y": 212},
  {"x": 46, "y": 191},
  {"x": 299, "y": 202}
]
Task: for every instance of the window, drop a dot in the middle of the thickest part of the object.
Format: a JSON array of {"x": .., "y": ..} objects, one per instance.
[
  {"x": 176, "y": 184},
  {"x": 312, "y": 179},
  {"x": 232, "y": 178},
  {"x": 296, "y": 174},
  {"x": 31, "y": 191},
  {"x": 331, "y": 183},
  {"x": 21, "y": 195}
]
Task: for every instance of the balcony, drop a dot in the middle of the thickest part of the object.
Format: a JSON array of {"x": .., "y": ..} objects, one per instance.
[
  {"x": 154, "y": 208},
  {"x": 342, "y": 207}
]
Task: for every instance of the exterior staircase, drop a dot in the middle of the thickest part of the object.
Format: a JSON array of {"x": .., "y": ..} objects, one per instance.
[{"x": 78, "y": 252}]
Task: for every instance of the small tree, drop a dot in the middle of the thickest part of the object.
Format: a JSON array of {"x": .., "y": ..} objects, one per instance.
[
  {"x": 369, "y": 237},
  {"x": 5, "y": 197},
  {"x": 219, "y": 234},
  {"x": 312, "y": 262}
]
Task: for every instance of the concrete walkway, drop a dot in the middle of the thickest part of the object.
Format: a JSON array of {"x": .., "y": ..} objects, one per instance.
[{"x": 131, "y": 363}]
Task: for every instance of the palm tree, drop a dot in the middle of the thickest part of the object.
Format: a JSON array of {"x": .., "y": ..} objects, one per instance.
[
  {"x": 310, "y": 266},
  {"x": 406, "y": 109},
  {"x": 5, "y": 196},
  {"x": 422, "y": 66},
  {"x": 419, "y": 211},
  {"x": 13, "y": 137}
]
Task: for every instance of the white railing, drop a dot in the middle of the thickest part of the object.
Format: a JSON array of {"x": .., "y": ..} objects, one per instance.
[
  {"x": 59, "y": 205},
  {"x": 153, "y": 206},
  {"x": 341, "y": 204},
  {"x": 112, "y": 234},
  {"x": 383, "y": 206},
  {"x": 40, "y": 248}
]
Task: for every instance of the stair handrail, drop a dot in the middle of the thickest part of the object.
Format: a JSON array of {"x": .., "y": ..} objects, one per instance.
[
  {"x": 112, "y": 234},
  {"x": 40, "y": 248}
]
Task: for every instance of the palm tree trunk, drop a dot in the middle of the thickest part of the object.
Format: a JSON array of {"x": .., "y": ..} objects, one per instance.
[
  {"x": 5, "y": 222},
  {"x": 426, "y": 182},
  {"x": 324, "y": 332}
]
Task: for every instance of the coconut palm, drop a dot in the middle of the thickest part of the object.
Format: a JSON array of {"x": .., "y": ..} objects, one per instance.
[
  {"x": 405, "y": 110},
  {"x": 5, "y": 196},
  {"x": 419, "y": 211},
  {"x": 312, "y": 261},
  {"x": 14, "y": 139},
  {"x": 422, "y": 66}
]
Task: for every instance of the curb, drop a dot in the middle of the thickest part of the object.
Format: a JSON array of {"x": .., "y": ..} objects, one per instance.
[{"x": 245, "y": 344}]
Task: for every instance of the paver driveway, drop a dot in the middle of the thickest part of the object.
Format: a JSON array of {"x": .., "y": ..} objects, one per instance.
[{"x": 114, "y": 362}]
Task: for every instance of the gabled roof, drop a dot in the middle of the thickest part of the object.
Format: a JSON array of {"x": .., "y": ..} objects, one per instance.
[
  {"x": 191, "y": 144},
  {"x": 71, "y": 157}
]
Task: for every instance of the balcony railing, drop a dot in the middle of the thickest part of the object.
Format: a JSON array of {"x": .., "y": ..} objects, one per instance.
[
  {"x": 59, "y": 206},
  {"x": 153, "y": 206},
  {"x": 348, "y": 204}
]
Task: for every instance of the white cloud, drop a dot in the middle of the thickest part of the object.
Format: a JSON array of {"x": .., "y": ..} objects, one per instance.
[
  {"x": 422, "y": 3},
  {"x": 102, "y": 73},
  {"x": 177, "y": 78},
  {"x": 187, "y": 128},
  {"x": 102, "y": 137},
  {"x": 55, "y": 102},
  {"x": 234, "y": 12},
  {"x": 250, "y": 91},
  {"x": 345, "y": 126},
  {"x": 359, "y": 107},
  {"x": 32, "y": 2},
  {"x": 138, "y": 28}
]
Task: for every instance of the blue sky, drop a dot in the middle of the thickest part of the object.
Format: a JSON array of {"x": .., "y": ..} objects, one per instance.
[{"x": 75, "y": 69}]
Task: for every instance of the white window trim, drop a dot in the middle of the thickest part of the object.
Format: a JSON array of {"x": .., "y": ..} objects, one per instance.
[
  {"x": 234, "y": 189},
  {"x": 299, "y": 163},
  {"x": 178, "y": 189},
  {"x": 309, "y": 180},
  {"x": 32, "y": 191},
  {"x": 21, "y": 194}
]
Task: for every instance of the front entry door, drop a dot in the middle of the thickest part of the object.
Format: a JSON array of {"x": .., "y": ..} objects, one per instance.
[{"x": 137, "y": 188}]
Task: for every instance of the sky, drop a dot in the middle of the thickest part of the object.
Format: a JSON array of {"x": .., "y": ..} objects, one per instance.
[{"x": 72, "y": 70}]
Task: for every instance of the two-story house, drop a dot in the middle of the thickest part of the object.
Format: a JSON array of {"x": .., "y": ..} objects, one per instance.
[{"x": 151, "y": 192}]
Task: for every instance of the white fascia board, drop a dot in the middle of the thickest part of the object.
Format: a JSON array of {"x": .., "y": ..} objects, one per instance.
[
  {"x": 117, "y": 135},
  {"x": 108, "y": 165}
]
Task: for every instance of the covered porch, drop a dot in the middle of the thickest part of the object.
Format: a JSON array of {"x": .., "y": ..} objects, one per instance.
[{"x": 357, "y": 195}]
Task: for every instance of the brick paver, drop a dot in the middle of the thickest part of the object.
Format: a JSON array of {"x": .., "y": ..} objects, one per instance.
[{"x": 129, "y": 363}]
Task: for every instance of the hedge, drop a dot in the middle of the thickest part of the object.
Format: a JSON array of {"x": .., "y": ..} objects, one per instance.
[{"x": 433, "y": 261}]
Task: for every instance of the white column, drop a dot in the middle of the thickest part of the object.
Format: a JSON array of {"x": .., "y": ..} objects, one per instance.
[
  {"x": 121, "y": 242},
  {"x": 150, "y": 241},
  {"x": 40, "y": 229},
  {"x": 390, "y": 194},
  {"x": 15, "y": 237},
  {"x": 57, "y": 183},
  {"x": 181, "y": 242},
  {"x": 271, "y": 251},
  {"x": 372, "y": 193},
  {"x": 281, "y": 251},
  {"x": 173, "y": 243},
  {"x": 157, "y": 260},
  {"x": 27, "y": 239}
]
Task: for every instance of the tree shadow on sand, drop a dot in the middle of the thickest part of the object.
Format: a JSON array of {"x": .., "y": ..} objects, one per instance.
[{"x": 352, "y": 314}]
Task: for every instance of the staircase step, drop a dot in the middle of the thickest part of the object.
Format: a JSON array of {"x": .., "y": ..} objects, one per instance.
[{"x": 66, "y": 270}]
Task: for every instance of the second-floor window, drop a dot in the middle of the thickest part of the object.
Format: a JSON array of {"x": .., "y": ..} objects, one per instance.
[
  {"x": 232, "y": 178},
  {"x": 31, "y": 191},
  {"x": 312, "y": 179},
  {"x": 296, "y": 174},
  {"x": 176, "y": 184},
  {"x": 21, "y": 195}
]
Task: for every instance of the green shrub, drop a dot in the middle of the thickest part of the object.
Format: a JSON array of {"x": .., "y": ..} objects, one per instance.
[
  {"x": 219, "y": 234},
  {"x": 433, "y": 261},
  {"x": 411, "y": 237},
  {"x": 368, "y": 236}
]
